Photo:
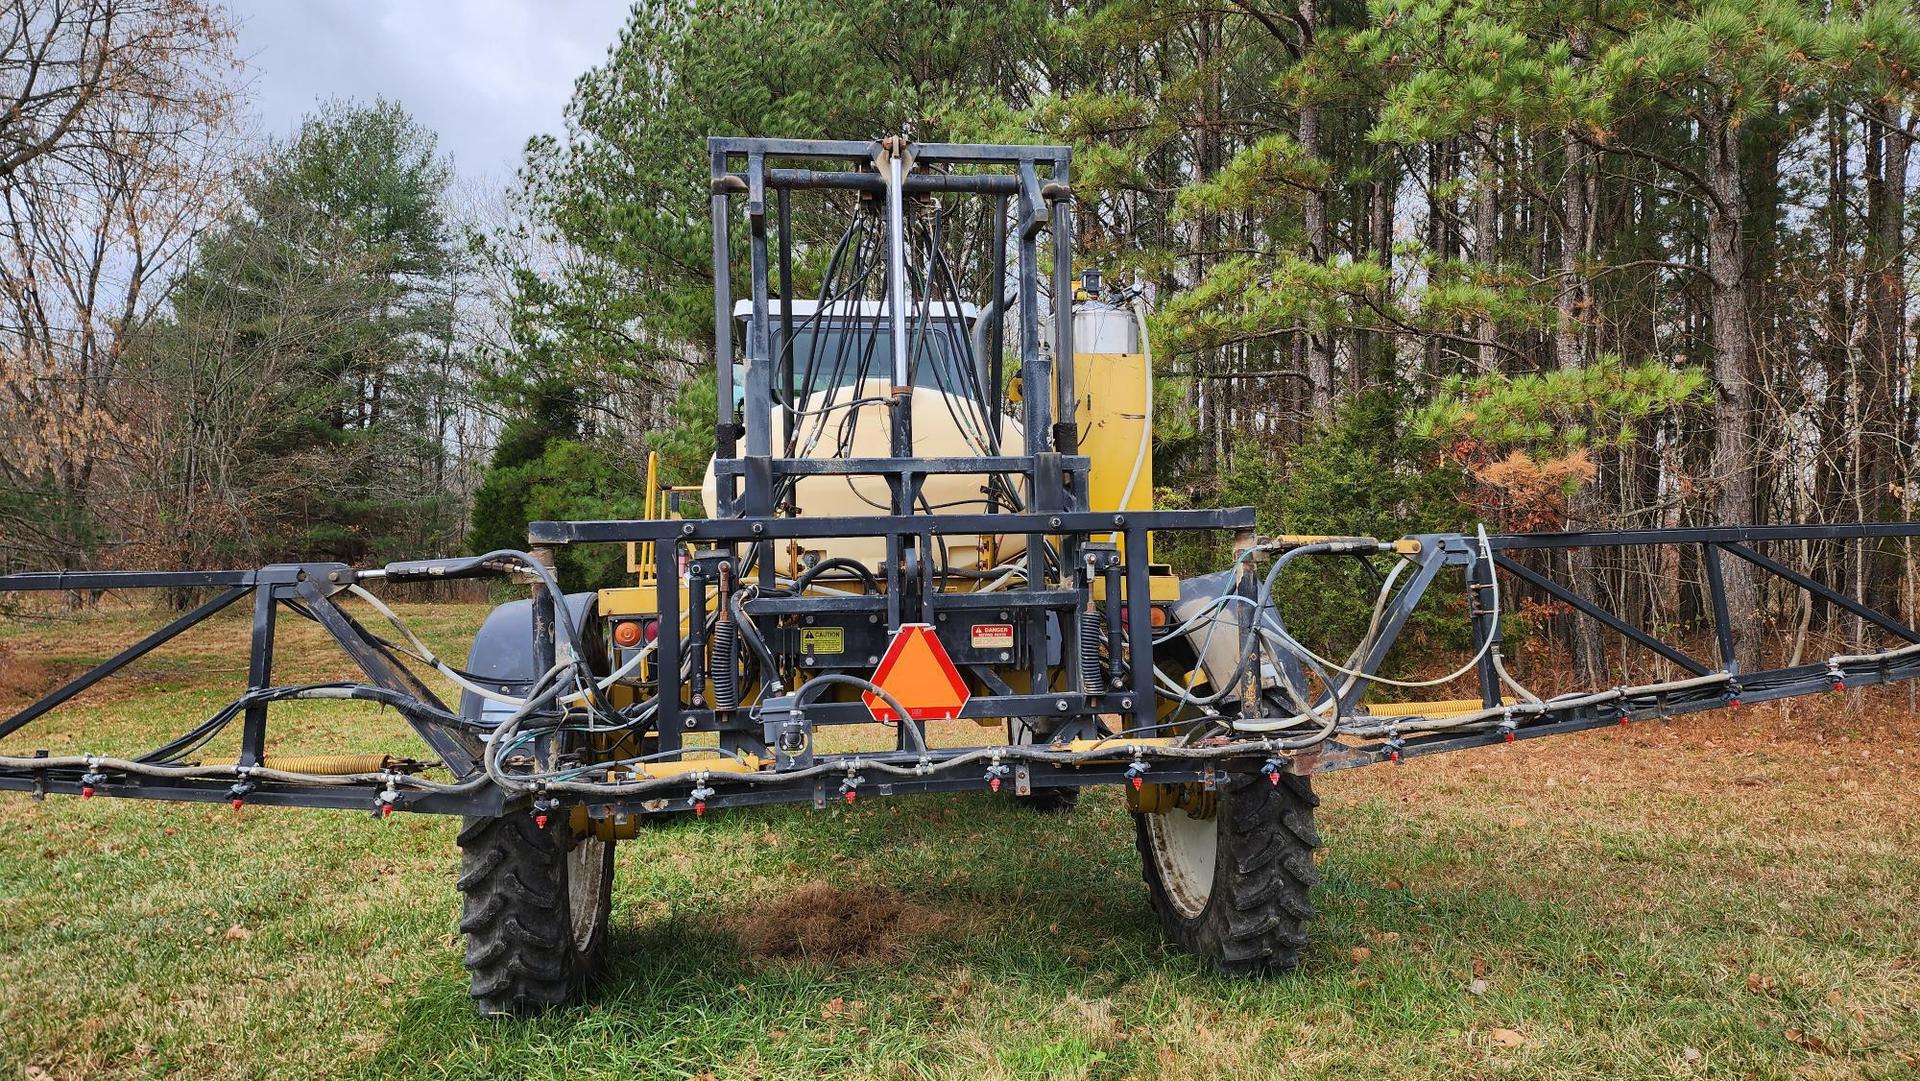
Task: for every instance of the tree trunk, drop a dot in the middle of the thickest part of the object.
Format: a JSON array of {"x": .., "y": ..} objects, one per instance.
[
  {"x": 1486, "y": 193},
  {"x": 1730, "y": 464},
  {"x": 1318, "y": 343},
  {"x": 1883, "y": 368},
  {"x": 1571, "y": 344}
]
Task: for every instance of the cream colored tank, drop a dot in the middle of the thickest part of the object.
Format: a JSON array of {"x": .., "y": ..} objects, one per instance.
[{"x": 938, "y": 432}]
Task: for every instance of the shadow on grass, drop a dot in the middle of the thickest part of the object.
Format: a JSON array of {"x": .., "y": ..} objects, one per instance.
[{"x": 1045, "y": 918}]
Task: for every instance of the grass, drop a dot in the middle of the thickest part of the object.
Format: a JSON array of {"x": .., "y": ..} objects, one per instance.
[{"x": 1736, "y": 896}]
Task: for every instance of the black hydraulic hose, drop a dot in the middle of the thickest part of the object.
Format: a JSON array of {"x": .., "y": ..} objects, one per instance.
[
  {"x": 808, "y": 692},
  {"x": 837, "y": 563}
]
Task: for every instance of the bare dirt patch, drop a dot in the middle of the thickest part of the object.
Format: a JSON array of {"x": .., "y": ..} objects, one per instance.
[{"x": 817, "y": 923}]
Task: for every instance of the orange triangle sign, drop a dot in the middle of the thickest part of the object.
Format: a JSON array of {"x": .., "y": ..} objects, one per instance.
[{"x": 918, "y": 673}]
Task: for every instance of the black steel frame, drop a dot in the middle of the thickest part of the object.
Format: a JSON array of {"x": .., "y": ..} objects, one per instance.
[
  {"x": 311, "y": 589},
  {"x": 747, "y": 530}
]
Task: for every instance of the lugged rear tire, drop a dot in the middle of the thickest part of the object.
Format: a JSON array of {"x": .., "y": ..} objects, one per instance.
[
  {"x": 536, "y": 909},
  {"x": 1244, "y": 904}
]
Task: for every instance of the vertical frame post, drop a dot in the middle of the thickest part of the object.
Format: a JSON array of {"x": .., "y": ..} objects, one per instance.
[
  {"x": 253, "y": 731},
  {"x": 1486, "y": 627},
  {"x": 724, "y": 443},
  {"x": 1066, "y": 437},
  {"x": 1722, "y": 622},
  {"x": 667, "y": 651},
  {"x": 1139, "y": 628}
]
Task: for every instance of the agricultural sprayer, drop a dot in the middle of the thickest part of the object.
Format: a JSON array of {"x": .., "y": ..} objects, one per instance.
[{"x": 929, "y": 513}]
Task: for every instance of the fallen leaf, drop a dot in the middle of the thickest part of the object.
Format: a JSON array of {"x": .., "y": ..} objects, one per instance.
[
  {"x": 237, "y": 933},
  {"x": 1477, "y": 987},
  {"x": 1480, "y": 968},
  {"x": 383, "y": 979},
  {"x": 1361, "y": 953},
  {"x": 1506, "y": 1037},
  {"x": 1691, "y": 1054},
  {"x": 1396, "y": 884},
  {"x": 1757, "y": 983},
  {"x": 834, "y": 1008}
]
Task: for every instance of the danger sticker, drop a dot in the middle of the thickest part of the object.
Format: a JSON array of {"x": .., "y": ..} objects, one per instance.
[
  {"x": 992, "y": 636},
  {"x": 820, "y": 640}
]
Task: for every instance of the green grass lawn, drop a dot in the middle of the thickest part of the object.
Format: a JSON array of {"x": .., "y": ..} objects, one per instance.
[{"x": 1736, "y": 896}]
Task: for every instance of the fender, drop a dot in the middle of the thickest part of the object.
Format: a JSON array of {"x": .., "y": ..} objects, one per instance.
[{"x": 502, "y": 653}]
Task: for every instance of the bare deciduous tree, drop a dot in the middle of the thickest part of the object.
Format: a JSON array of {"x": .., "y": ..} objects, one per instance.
[{"x": 111, "y": 158}]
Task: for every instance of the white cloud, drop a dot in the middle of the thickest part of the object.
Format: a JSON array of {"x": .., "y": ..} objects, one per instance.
[{"x": 485, "y": 74}]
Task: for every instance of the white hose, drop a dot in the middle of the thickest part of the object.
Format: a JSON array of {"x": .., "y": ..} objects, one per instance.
[
  {"x": 427, "y": 655},
  {"x": 1486, "y": 553}
]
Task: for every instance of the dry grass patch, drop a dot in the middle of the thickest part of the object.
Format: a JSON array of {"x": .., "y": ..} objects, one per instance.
[{"x": 819, "y": 923}]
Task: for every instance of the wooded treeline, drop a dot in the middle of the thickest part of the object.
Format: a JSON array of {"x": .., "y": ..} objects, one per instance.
[{"x": 1416, "y": 263}]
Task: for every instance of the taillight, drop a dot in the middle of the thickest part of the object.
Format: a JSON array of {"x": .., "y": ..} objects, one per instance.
[{"x": 627, "y": 633}]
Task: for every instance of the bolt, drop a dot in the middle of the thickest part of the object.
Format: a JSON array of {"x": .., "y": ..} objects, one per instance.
[
  {"x": 873, "y": 619},
  {"x": 687, "y": 530},
  {"x": 873, "y": 659},
  {"x": 690, "y": 722},
  {"x": 1006, "y": 656},
  {"x": 1119, "y": 519},
  {"x": 1126, "y": 703},
  {"x": 1003, "y": 615},
  {"x": 809, "y": 620},
  {"x": 943, "y": 617},
  {"x": 1060, "y": 705},
  {"x": 1054, "y": 522},
  {"x": 758, "y": 528}
]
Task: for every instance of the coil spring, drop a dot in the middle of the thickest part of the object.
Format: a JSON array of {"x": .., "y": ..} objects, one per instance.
[
  {"x": 722, "y": 667},
  {"x": 1093, "y": 634}
]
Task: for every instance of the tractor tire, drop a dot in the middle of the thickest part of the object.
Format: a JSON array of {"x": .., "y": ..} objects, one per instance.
[
  {"x": 1024, "y": 732},
  {"x": 1233, "y": 888},
  {"x": 537, "y": 905}
]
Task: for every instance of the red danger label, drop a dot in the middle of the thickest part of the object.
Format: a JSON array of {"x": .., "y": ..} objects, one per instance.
[{"x": 992, "y": 636}]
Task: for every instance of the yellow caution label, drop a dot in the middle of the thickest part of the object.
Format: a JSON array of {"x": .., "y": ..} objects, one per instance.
[{"x": 818, "y": 640}]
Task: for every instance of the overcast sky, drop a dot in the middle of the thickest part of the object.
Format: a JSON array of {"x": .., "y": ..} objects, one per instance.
[{"x": 485, "y": 74}]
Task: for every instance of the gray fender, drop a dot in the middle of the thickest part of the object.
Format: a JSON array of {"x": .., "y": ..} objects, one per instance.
[
  {"x": 502, "y": 652},
  {"x": 1216, "y": 639}
]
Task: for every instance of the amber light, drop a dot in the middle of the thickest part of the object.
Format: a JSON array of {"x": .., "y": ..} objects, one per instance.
[
  {"x": 627, "y": 633},
  {"x": 1157, "y": 617}
]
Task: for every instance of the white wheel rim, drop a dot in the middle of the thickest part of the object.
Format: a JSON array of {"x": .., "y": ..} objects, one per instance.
[{"x": 1184, "y": 851}]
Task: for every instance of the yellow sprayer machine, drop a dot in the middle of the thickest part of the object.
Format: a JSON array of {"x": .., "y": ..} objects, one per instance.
[{"x": 929, "y": 516}]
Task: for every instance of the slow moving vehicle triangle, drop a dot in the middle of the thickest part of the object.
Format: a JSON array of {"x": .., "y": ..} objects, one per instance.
[{"x": 917, "y": 672}]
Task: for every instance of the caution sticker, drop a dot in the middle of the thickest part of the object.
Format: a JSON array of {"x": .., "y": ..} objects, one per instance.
[
  {"x": 992, "y": 636},
  {"x": 819, "y": 640}
]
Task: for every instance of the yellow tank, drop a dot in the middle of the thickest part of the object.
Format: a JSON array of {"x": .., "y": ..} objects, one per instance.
[{"x": 941, "y": 426}]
